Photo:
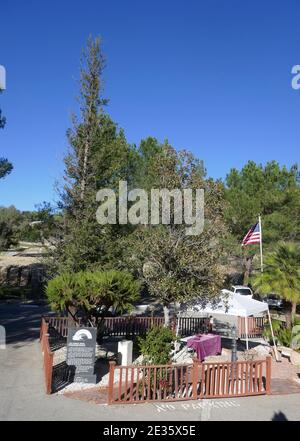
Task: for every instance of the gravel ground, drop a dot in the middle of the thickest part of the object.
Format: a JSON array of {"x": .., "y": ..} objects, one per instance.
[
  {"x": 103, "y": 353},
  {"x": 285, "y": 369}
]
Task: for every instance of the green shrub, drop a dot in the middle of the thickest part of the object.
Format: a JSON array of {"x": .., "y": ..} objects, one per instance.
[
  {"x": 276, "y": 324},
  {"x": 283, "y": 335},
  {"x": 90, "y": 292},
  {"x": 157, "y": 345}
]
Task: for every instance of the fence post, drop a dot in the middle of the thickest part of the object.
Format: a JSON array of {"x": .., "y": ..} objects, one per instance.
[
  {"x": 112, "y": 365},
  {"x": 43, "y": 344},
  {"x": 47, "y": 361},
  {"x": 195, "y": 378},
  {"x": 41, "y": 328},
  {"x": 268, "y": 375},
  {"x": 49, "y": 372}
]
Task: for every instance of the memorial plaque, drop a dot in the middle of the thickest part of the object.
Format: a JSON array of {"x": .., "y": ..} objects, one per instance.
[{"x": 81, "y": 349}]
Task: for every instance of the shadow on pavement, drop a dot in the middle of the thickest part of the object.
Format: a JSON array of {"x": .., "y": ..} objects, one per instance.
[
  {"x": 21, "y": 321},
  {"x": 279, "y": 416}
]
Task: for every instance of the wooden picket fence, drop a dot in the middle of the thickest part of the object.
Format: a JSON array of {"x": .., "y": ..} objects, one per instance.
[
  {"x": 47, "y": 355},
  {"x": 136, "y": 325},
  {"x": 112, "y": 326},
  {"x": 60, "y": 324},
  {"x": 140, "y": 384},
  {"x": 137, "y": 384},
  {"x": 191, "y": 325},
  {"x": 130, "y": 325},
  {"x": 255, "y": 327}
]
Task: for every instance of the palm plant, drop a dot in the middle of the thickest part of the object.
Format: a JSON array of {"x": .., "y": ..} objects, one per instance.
[
  {"x": 295, "y": 339},
  {"x": 281, "y": 275},
  {"x": 284, "y": 336},
  {"x": 91, "y": 292}
]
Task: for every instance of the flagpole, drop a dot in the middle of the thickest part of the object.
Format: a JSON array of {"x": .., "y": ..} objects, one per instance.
[{"x": 261, "y": 249}]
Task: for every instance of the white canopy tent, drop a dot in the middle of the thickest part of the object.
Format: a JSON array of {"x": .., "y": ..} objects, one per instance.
[{"x": 231, "y": 304}]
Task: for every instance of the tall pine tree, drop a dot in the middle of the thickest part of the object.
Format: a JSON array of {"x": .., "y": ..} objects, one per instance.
[{"x": 98, "y": 157}]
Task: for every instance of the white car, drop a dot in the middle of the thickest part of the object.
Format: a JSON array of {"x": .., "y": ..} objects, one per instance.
[{"x": 242, "y": 290}]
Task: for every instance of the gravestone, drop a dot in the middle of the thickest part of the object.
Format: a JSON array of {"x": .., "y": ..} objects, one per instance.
[{"x": 81, "y": 350}]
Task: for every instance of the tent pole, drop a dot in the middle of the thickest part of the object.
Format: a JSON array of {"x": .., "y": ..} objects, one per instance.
[
  {"x": 273, "y": 338},
  {"x": 246, "y": 330}
]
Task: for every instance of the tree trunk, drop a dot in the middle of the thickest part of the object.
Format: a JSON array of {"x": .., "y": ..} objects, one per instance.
[
  {"x": 167, "y": 315},
  {"x": 294, "y": 307},
  {"x": 100, "y": 330},
  {"x": 288, "y": 319},
  {"x": 248, "y": 268},
  {"x": 84, "y": 172},
  {"x": 290, "y": 315},
  {"x": 72, "y": 314}
]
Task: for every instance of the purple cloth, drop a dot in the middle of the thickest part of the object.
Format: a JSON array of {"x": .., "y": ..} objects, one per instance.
[{"x": 205, "y": 345}]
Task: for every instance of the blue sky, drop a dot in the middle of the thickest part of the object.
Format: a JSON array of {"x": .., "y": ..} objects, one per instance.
[{"x": 211, "y": 76}]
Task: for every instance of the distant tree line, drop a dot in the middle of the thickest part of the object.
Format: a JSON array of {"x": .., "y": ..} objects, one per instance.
[{"x": 39, "y": 225}]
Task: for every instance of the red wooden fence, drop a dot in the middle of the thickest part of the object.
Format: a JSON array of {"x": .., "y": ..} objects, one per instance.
[
  {"x": 169, "y": 382},
  {"x": 255, "y": 327},
  {"x": 47, "y": 355},
  {"x": 135, "y": 325},
  {"x": 60, "y": 324},
  {"x": 113, "y": 326},
  {"x": 130, "y": 325},
  {"x": 140, "y": 384},
  {"x": 192, "y": 325}
]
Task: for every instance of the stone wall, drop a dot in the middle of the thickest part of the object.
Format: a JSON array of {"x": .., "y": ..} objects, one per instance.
[
  {"x": 29, "y": 276},
  {"x": 22, "y": 269}
]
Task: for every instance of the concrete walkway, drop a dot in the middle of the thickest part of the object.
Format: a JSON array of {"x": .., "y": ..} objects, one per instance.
[{"x": 22, "y": 395}]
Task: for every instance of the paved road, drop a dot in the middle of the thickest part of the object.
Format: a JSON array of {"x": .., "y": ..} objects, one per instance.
[{"x": 22, "y": 394}]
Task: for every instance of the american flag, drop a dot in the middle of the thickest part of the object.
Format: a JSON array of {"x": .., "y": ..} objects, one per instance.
[{"x": 253, "y": 235}]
